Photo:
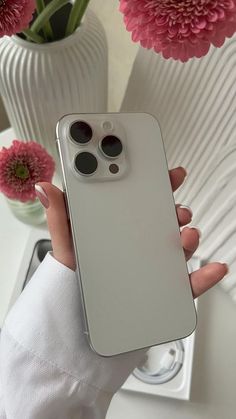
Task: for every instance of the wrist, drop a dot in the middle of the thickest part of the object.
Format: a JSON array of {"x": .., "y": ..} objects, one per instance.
[{"x": 65, "y": 259}]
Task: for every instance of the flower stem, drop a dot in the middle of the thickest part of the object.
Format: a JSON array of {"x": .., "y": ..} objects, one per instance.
[
  {"x": 47, "y": 29},
  {"x": 33, "y": 36},
  {"x": 82, "y": 11},
  {"x": 45, "y": 15},
  {"x": 40, "y": 6},
  {"x": 76, "y": 15}
]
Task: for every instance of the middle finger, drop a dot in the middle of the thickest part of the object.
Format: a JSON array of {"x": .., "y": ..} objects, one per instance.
[
  {"x": 184, "y": 214},
  {"x": 190, "y": 240}
]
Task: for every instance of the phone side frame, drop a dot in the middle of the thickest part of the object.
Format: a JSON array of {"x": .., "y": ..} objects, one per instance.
[{"x": 68, "y": 210}]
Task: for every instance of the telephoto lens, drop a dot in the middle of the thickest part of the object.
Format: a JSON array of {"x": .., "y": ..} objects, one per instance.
[{"x": 81, "y": 132}]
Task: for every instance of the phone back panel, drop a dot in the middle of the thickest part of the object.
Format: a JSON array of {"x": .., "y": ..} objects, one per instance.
[{"x": 131, "y": 265}]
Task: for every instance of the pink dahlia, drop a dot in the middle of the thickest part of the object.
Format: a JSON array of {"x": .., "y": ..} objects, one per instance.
[
  {"x": 180, "y": 29},
  {"x": 21, "y": 166},
  {"x": 15, "y": 15}
]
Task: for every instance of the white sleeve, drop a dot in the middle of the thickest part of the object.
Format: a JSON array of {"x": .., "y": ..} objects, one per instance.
[
  {"x": 42, "y": 371},
  {"x": 2, "y": 408}
]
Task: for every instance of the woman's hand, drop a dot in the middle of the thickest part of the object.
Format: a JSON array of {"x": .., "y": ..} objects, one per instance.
[{"x": 53, "y": 199}]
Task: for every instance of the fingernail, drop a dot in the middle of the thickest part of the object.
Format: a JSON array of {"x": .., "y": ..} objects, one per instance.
[
  {"x": 187, "y": 208},
  {"x": 227, "y": 268},
  {"x": 184, "y": 170},
  {"x": 198, "y": 230},
  {"x": 41, "y": 194}
]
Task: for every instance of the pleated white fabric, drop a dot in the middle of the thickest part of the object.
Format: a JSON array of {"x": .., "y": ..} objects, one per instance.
[{"x": 195, "y": 104}]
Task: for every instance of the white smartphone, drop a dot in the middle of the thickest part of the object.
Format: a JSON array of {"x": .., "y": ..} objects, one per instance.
[{"x": 130, "y": 263}]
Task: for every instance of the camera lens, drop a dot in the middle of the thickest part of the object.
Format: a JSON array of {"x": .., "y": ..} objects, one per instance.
[
  {"x": 111, "y": 146},
  {"x": 86, "y": 163},
  {"x": 81, "y": 132}
]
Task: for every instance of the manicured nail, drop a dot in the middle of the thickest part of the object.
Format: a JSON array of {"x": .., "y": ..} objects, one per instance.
[
  {"x": 41, "y": 194},
  {"x": 227, "y": 267},
  {"x": 184, "y": 170},
  {"x": 187, "y": 208},
  {"x": 198, "y": 230}
]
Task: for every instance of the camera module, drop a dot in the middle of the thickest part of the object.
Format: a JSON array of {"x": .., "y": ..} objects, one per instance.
[
  {"x": 111, "y": 146},
  {"x": 81, "y": 132},
  {"x": 86, "y": 163}
]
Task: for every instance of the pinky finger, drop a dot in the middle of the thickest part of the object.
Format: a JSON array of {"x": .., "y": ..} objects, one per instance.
[{"x": 206, "y": 277}]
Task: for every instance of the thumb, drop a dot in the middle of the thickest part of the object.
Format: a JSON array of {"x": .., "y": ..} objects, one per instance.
[{"x": 52, "y": 199}]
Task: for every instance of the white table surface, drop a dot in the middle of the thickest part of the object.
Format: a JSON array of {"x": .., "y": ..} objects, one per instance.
[{"x": 213, "y": 393}]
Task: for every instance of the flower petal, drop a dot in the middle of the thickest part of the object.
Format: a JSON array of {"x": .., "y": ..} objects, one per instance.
[{"x": 180, "y": 29}]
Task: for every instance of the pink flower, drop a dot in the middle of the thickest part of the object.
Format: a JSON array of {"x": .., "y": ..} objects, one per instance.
[
  {"x": 15, "y": 15},
  {"x": 180, "y": 29},
  {"x": 21, "y": 166}
]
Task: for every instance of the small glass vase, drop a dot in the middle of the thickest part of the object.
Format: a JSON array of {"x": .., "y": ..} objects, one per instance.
[{"x": 30, "y": 212}]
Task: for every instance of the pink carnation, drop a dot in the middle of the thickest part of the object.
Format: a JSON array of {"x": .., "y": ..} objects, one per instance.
[
  {"x": 21, "y": 166},
  {"x": 15, "y": 15},
  {"x": 180, "y": 29}
]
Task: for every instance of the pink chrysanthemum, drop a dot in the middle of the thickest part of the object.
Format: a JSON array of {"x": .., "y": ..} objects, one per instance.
[
  {"x": 180, "y": 29},
  {"x": 21, "y": 166},
  {"x": 15, "y": 15}
]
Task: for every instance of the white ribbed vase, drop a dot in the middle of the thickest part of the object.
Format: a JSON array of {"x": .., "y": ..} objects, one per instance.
[{"x": 41, "y": 83}]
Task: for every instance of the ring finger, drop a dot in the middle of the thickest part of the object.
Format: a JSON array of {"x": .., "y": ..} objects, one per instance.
[{"x": 190, "y": 240}]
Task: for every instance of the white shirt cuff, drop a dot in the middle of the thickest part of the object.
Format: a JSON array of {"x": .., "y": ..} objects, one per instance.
[{"x": 45, "y": 360}]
